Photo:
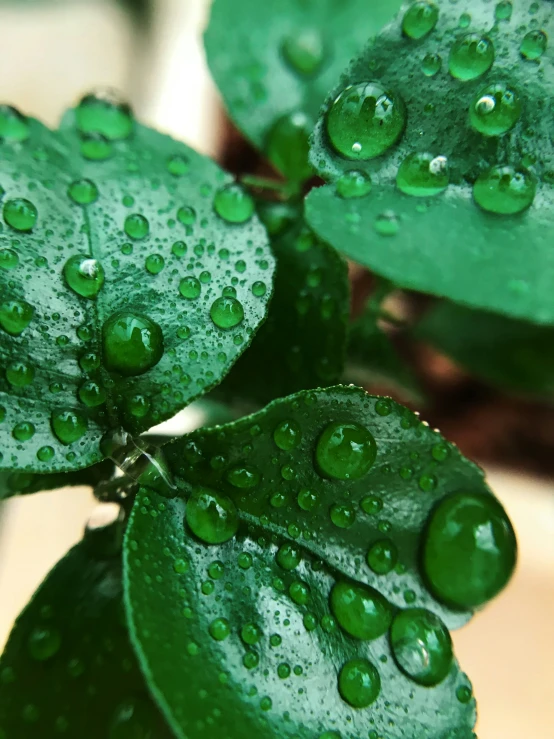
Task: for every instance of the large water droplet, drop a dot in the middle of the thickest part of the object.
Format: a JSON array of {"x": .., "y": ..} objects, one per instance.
[
  {"x": 495, "y": 109},
  {"x": 68, "y": 425},
  {"x": 92, "y": 394},
  {"x": 420, "y": 19},
  {"x": 421, "y": 646},
  {"x": 234, "y": 204},
  {"x": 345, "y": 451},
  {"x": 359, "y": 683},
  {"x": 13, "y": 125},
  {"x": 365, "y": 120},
  {"x": 304, "y": 51},
  {"x": 20, "y": 214},
  {"x": 190, "y": 287},
  {"x": 226, "y": 312},
  {"x": 287, "y": 435},
  {"x": 44, "y": 643},
  {"x": 136, "y": 226},
  {"x": 15, "y": 316},
  {"x": 422, "y": 175},
  {"x": 211, "y": 516},
  {"x": 504, "y": 190},
  {"x": 470, "y": 57},
  {"x": 104, "y": 113},
  {"x": 360, "y": 610},
  {"x": 470, "y": 549},
  {"x": 533, "y": 45},
  {"x": 9, "y": 259},
  {"x": 132, "y": 343},
  {"x": 288, "y": 556},
  {"x": 20, "y": 374},
  {"x": 288, "y": 146},
  {"x": 23, "y": 431},
  {"x": 83, "y": 192},
  {"x": 84, "y": 275}
]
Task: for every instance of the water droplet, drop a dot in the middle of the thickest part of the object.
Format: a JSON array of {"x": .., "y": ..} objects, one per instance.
[
  {"x": 359, "y": 683},
  {"x": 431, "y": 64},
  {"x": 216, "y": 570},
  {"x": 243, "y": 477},
  {"x": 469, "y": 550},
  {"x": 505, "y": 190},
  {"x": 211, "y": 516},
  {"x": 20, "y": 374},
  {"x": 283, "y": 670},
  {"x": 259, "y": 289},
  {"x": 136, "y": 226},
  {"x": 288, "y": 557},
  {"x": 353, "y": 184},
  {"x": 186, "y": 215},
  {"x": 45, "y": 453},
  {"x": 387, "y": 224},
  {"x": 365, "y": 120},
  {"x": 250, "y": 634},
  {"x": 20, "y": 214},
  {"x": 251, "y": 660},
  {"x": 15, "y": 316},
  {"x": 371, "y": 504},
  {"x": 9, "y": 259},
  {"x": 95, "y": 147},
  {"x": 44, "y": 643},
  {"x": 422, "y": 174},
  {"x": 136, "y": 719},
  {"x": 345, "y": 451},
  {"x": 226, "y": 312},
  {"x": 533, "y": 45},
  {"x": 13, "y": 125},
  {"x": 420, "y": 19},
  {"x": 304, "y": 51},
  {"x": 84, "y": 275},
  {"x": 266, "y": 703},
  {"x": 132, "y": 343},
  {"x": 503, "y": 10},
  {"x": 440, "y": 451},
  {"x": 178, "y": 165},
  {"x": 244, "y": 560},
  {"x": 495, "y": 109},
  {"x": 68, "y": 425},
  {"x": 382, "y": 556},
  {"x": 421, "y": 646},
  {"x": 83, "y": 192},
  {"x": 287, "y": 435},
  {"x": 383, "y": 407},
  {"x": 287, "y": 145},
  {"x": 360, "y": 610},
  {"x": 342, "y": 515},
  {"x": 23, "y": 431},
  {"x": 219, "y": 629},
  {"x": 190, "y": 288},
  {"x": 234, "y": 204},
  {"x": 104, "y": 113},
  {"x": 92, "y": 394},
  {"x": 154, "y": 263},
  {"x": 427, "y": 483},
  {"x": 464, "y": 693},
  {"x": 470, "y": 57},
  {"x": 307, "y": 499}
]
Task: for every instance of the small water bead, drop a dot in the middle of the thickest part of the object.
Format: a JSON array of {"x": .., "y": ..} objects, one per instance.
[
  {"x": 382, "y": 556},
  {"x": 20, "y": 374},
  {"x": 470, "y": 57},
  {"x": 299, "y": 592},
  {"x": 383, "y": 407},
  {"x": 132, "y": 343},
  {"x": 427, "y": 483},
  {"x": 503, "y": 10},
  {"x": 371, "y": 504},
  {"x": 9, "y": 259},
  {"x": 533, "y": 45},
  {"x": 244, "y": 560},
  {"x": 14, "y": 126},
  {"x": 68, "y": 425},
  {"x": 219, "y": 629},
  {"x": 212, "y": 516},
  {"x": 345, "y": 451},
  {"x": 44, "y": 643},
  {"x": 288, "y": 557},
  {"x": 353, "y": 184},
  {"x": 186, "y": 215},
  {"x": 464, "y": 693},
  {"x": 83, "y": 192},
  {"x": 505, "y": 190},
  {"x": 84, "y": 275},
  {"x": 234, "y": 204},
  {"x": 387, "y": 224},
  {"x": 23, "y": 431},
  {"x": 251, "y": 634},
  {"x": 154, "y": 263},
  {"x": 420, "y": 19},
  {"x": 342, "y": 515},
  {"x": 190, "y": 288},
  {"x": 287, "y": 145},
  {"x": 287, "y": 435},
  {"x": 359, "y": 683},
  {"x": 178, "y": 165},
  {"x": 495, "y": 109},
  {"x": 243, "y": 477},
  {"x": 283, "y": 670},
  {"x": 136, "y": 226},
  {"x": 15, "y": 316},
  {"x": 423, "y": 175},
  {"x": 95, "y": 147},
  {"x": 365, "y": 120},
  {"x": 421, "y": 646},
  {"x": 226, "y": 313},
  {"x": 20, "y": 214},
  {"x": 469, "y": 550},
  {"x": 360, "y": 610},
  {"x": 304, "y": 51},
  {"x": 92, "y": 394},
  {"x": 106, "y": 114},
  {"x": 45, "y": 453},
  {"x": 431, "y": 64},
  {"x": 259, "y": 289}
]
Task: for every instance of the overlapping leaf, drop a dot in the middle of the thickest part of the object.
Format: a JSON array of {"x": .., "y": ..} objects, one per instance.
[
  {"x": 14, "y": 483},
  {"x": 446, "y": 244}
]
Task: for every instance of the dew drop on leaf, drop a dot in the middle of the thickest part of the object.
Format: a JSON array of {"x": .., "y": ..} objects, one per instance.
[
  {"x": 288, "y": 557},
  {"x": 134, "y": 719},
  {"x": 307, "y": 499},
  {"x": 68, "y": 425},
  {"x": 359, "y": 683},
  {"x": 345, "y": 451},
  {"x": 342, "y": 515},
  {"x": 9, "y": 259},
  {"x": 132, "y": 343},
  {"x": 304, "y": 51},
  {"x": 382, "y": 556},
  {"x": 259, "y": 289},
  {"x": 190, "y": 287},
  {"x": 154, "y": 263},
  {"x": 186, "y": 215},
  {"x": 226, "y": 312},
  {"x": 84, "y": 275},
  {"x": 219, "y": 629},
  {"x": 420, "y": 19},
  {"x": 505, "y": 190},
  {"x": 23, "y": 431},
  {"x": 371, "y": 504},
  {"x": 178, "y": 165},
  {"x": 136, "y": 226},
  {"x": 353, "y": 184},
  {"x": 20, "y": 374},
  {"x": 234, "y": 204},
  {"x": 422, "y": 175},
  {"x": 20, "y": 214},
  {"x": 83, "y": 192},
  {"x": 104, "y": 113},
  {"x": 45, "y": 453},
  {"x": 250, "y": 634},
  {"x": 421, "y": 646},
  {"x": 243, "y": 477},
  {"x": 43, "y": 643},
  {"x": 13, "y": 125},
  {"x": 431, "y": 64},
  {"x": 470, "y": 57},
  {"x": 287, "y": 435},
  {"x": 495, "y": 109},
  {"x": 211, "y": 516},
  {"x": 92, "y": 394},
  {"x": 95, "y": 147},
  {"x": 533, "y": 45},
  {"x": 503, "y": 10},
  {"x": 15, "y": 316},
  {"x": 287, "y": 145},
  {"x": 360, "y": 610},
  {"x": 387, "y": 224}
]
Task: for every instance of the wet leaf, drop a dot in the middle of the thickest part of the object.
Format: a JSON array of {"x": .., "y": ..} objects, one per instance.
[
  {"x": 278, "y": 62},
  {"x": 454, "y": 137},
  {"x": 68, "y": 668},
  {"x": 126, "y": 267},
  {"x": 229, "y": 583},
  {"x": 514, "y": 355},
  {"x": 301, "y": 345}
]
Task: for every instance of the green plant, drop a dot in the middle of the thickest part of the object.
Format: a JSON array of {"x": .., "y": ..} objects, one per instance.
[{"x": 293, "y": 572}]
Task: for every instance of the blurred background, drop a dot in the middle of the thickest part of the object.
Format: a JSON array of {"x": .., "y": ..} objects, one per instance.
[{"x": 55, "y": 50}]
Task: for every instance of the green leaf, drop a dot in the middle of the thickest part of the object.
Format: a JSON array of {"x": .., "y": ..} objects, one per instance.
[
  {"x": 113, "y": 264},
  {"x": 228, "y": 585},
  {"x": 275, "y": 61},
  {"x": 511, "y": 354},
  {"x": 13, "y": 482},
  {"x": 455, "y": 210},
  {"x": 68, "y": 668},
  {"x": 302, "y": 343}
]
